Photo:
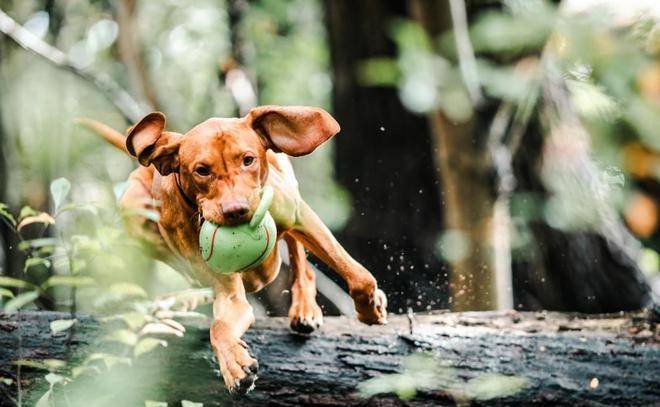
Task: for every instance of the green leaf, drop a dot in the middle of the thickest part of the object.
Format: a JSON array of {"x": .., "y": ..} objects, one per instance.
[
  {"x": 151, "y": 403},
  {"x": 13, "y": 282},
  {"x": 186, "y": 403},
  {"x": 78, "y": 370},
  {"x": 42, "y": 218},
  {"x": 146, "y": 345},
  {"x": 108, "y": 359},
  {"x": 490, "y": 386},
  {"x": 37, "y": 243},
  {"x": 134, "y": 320},
  {"x": 4, "y": 212},
  {"x": 20, "y": 301},
  {"x": 54, "y": 378},
  {"x": 6, "y": 293},
  {"x": 35, "y": 261},
  {"x": 45, "y": 364},
  {"x": 59, "y": 189},
  {"x": 91, "y": 208},
  {"x": 45, "y": 400},
  {"x": 60, "y": 325},
  {"x": 27, "y": 211},
  {"x": 70, "y": 281},
  {"x": 379, "y": 72},
  {"x": 128, "y": 290},
  {"x": 7, "y": 381},
  {"x": 123, "y": 336}
]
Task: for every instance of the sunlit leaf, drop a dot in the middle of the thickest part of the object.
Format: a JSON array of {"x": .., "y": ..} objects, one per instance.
[
  {"x": 70, "y": 281},
  {"x": 128, "y": 290},
  {"x": 147, "y": 345},
  {"x": 86, "y": 243},
  {"x": 60, "y": 325},
  {"x": 27, "y": 211},
  {"x": 79, "y": 206},
  {"x": 6, "y": 293},
  {"x": 42, "y": 218},
  {"x": 13, "y": 282},
  {"x": 44, "y": 364},
  {"x": 20, "y": 301},
  {"x": 4, "y": 212},
  {"x": 35, "y": 261},
  {"x": 379, "y": 72},
  {"x": 151, "y": 403},
  {"x": 45, "y": 400},
  {"x": 490, "y": 386},
  {"x": 37, "y": 243},
  {"x": 123, "y": 336},
  {"x": 160, "y": 329},
  {"x": 504, "y": 33},
  {"x": 59, "y": 189},
  {"x": 186, "y": 403},
  {"x": 54, "y": 378},
  {"x": 134, "y": 320},
  {"x": 78, "y": 370},
  {"x": 7, "y": 381},
  {"x": 592, "y": 102},
  {"x": 108, "y": 359}
]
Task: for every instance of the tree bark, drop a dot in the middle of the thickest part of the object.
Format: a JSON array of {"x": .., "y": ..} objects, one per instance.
[{"x": 565, "y": 359}]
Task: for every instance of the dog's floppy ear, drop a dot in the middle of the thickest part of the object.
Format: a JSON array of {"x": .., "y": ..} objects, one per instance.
[
  {"x": 151, "y": 144},
  {"x": 294, "y": 130}
]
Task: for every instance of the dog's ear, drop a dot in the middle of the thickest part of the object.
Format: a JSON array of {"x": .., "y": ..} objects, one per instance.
[
  {"x": 151, "y": 144},
  {"x": 294, "y": 130}
]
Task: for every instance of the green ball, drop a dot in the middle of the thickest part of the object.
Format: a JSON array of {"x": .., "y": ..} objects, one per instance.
[{"x": 232, "y": 249}]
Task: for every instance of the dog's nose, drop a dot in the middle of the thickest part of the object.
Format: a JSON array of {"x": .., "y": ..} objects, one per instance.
[{"x": 235, "y": 210}]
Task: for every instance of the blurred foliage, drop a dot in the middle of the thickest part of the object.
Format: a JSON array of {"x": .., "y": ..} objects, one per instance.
[
  {"x": 608, "y": 54},
  {"x": 421, "y": 372},
  {"x": 96, "y": 271}
]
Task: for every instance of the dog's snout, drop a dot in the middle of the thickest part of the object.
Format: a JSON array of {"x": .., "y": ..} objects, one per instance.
[{"x": 236, "y": 210}]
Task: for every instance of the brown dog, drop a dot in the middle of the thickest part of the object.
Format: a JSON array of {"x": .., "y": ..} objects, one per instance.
[{"x": 216, "y": 171}]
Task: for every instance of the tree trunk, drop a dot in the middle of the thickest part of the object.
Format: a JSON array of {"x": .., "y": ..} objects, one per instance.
[
  {"x": 468, "y": 191},
  {"x": 562, "y": 359},
  {"x": 384, "y": 159}
]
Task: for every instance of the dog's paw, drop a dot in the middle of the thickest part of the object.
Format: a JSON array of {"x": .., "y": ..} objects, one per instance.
[
  {"x": 305, "y": 316},
  {"x": 237, "y": 366},
  {"x": 372, "y": 310}
]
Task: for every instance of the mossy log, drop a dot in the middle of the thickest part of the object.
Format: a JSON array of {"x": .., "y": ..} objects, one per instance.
[{"x": 564, "y": 360}]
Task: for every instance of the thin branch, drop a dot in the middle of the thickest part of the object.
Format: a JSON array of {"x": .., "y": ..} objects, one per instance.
[
  {"x": 120, "y": 98},
  {"x": 466, "y": 59},
  {"x": 128, "y": 44}
]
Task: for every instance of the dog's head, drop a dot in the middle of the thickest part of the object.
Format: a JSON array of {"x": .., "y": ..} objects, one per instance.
[{"x": 221, "y": 164}]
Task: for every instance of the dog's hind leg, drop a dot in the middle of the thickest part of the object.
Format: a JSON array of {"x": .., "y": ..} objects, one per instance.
[{"x": 304, "y": 314}]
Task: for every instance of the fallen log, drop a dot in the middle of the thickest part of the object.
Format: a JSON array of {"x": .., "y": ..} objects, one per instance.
[{"x": 560, "y": 358}]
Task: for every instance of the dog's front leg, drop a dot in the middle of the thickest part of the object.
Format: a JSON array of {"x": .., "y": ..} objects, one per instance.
[
  {"x": 370, "y": 302},
  {"x": 232, "y": 316}
]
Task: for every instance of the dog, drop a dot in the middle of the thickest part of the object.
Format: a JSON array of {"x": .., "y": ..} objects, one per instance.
[{"x": 216, "y": 172}]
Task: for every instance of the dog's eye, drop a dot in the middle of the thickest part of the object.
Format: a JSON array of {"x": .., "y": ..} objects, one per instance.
[
  {"x": 248, "y": 160},
  {"x": 202, "y": 170}
]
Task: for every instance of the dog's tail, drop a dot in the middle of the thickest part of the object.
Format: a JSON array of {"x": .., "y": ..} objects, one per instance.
[{"x": 111, "y": 135}]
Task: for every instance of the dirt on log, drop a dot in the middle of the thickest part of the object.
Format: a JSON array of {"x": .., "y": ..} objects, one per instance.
[{"x": 564, "y": 359}]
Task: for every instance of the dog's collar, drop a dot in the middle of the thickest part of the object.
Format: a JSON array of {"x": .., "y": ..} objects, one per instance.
[{"x": 185, "y": 197}]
